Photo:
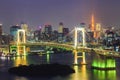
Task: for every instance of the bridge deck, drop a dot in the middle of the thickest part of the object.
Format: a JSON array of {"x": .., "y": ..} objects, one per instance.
[{"x": 71, "y": 47}]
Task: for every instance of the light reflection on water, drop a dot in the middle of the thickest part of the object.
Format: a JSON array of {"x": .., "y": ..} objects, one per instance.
[
  {"x": 20, "y": 61},
  {"x": 20, "y": 78},
  {"x": 82, "y": 72},
  {"x": 104, "y": 75}
]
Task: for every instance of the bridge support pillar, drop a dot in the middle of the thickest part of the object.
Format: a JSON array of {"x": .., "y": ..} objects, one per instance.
[
  {"x": 83, "y": 58},
  {"x": 21, "y": 50},
  {"x": 76, "y": 56},
  {"x": 21, "y": 38},
  {"x": 102, "y": 62},
  {"x": 48, "y": 58}
]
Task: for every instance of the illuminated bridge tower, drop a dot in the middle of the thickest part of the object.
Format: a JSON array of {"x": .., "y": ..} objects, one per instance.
[
  {"x": 21, "y": 39},
  {"x": 78, "y": 29}
]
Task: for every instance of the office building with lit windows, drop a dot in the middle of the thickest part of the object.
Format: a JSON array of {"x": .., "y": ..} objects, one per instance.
[{"x": 13, "y": 32}]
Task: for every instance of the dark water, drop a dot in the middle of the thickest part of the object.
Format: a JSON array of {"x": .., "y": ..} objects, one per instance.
[{"x": 82, "y": 72}]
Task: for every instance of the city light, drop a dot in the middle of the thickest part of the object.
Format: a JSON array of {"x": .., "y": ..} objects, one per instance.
[
  {"x": 81, "y": 34},
  {"x": 21, "y": 39}
]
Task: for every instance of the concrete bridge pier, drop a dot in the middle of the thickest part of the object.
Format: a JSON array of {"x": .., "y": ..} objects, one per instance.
[
  {"x": 83, "y": 58},
  {"x": 76, "y": 56},
  {"x": 21, "y": 50},
  {"x": 102, "y": 62}
]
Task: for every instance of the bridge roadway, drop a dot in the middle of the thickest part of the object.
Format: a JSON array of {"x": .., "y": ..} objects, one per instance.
[{"x": 71, "y": 47}]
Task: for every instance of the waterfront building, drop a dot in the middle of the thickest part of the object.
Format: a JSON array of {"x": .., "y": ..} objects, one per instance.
[
  {"x": 65, "y": 31},
  {"x": 0, "y": 33},
  {"x": 60, "y": 37},
  {"x": 30, "y": 35},
  {"x": 65, "y": 34},
  {"x": 60, "y": 32},
  {"x": 13, "y": 32},
  {"x": 48, "y": 29},
  {"x": 24, "y": 27},
  {"x": 55, "y": 35},
  {"x": 98, "y": 30},
  {"x": 1, "y": 29},
  {"x": 60, "y": 28},
  {"x": 37, "y": 35},
  {"x": 47, "y": 32}
]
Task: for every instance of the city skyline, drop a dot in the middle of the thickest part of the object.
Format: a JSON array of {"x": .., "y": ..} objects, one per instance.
[{"x": 70, "y": 12}]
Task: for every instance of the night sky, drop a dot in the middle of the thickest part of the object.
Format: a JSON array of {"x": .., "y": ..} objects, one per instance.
[{"x": 71, "y": 12}]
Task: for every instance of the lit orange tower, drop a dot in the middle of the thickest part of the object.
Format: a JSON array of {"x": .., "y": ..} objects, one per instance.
[
  {"x": 93, "y": 28},
  {"x": 93, "y": 23}
]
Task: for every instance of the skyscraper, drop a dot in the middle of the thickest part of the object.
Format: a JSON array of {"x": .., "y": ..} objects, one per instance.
[
  {"x": 48, "y": 29},
  {"x": 0, "y": 33},
  {"x": 60, "y": 32},
  {"x": 65, "y": 31},
  {"x": 0, "y": 29},
  {"x": 13, "y": 31},
  {"x": 48, "y": 32},
  {"x": 98, "y": 30},
  {"x": 25, "y": 27},
  {"x": 60, "y": 28}
]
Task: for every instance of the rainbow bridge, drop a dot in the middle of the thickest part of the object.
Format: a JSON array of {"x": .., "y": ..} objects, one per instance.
[{"x": 101, "y": 59}]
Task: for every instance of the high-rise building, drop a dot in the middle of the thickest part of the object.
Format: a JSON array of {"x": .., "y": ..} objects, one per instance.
[
  {"x": 65, "y": 34},
  {"x": 60, "y": 32},
  {"x": 13, "y": 32},
  {"x": 98, "y": 30},
  {"x": 37, "y": 35},
  {"x": 25, "y": 27},
  {"x": 98, "y": 27},
  {"x": 0, "y": 33},
  {"x": 65, "y": 31},
  {"x": 48, "y": 29},
  {"x": 60, "y": 28},
  {"x": 54, "y": 36},
  {"x": 0, "y": 29},
  {"x": 47, "y": 32}
]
